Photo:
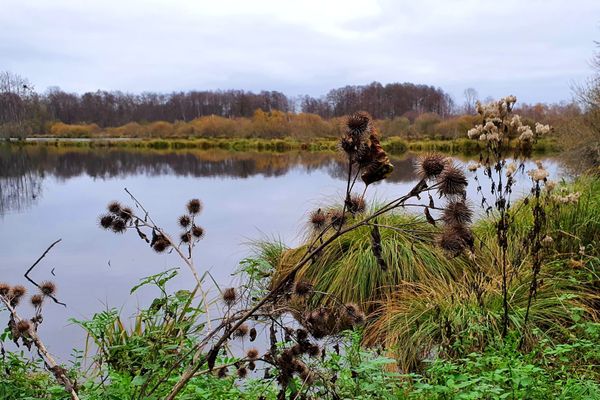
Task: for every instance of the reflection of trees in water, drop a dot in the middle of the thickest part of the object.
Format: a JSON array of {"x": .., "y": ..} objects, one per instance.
[
  {"x": 22, "y": 168},
  {"x": 20, "y": 182}
]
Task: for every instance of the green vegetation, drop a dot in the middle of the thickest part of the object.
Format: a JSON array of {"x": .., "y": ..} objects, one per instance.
[{"x": 393, "y": 145}]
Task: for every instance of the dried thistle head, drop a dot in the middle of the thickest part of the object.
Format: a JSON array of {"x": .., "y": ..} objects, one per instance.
[
  {"x": 337, "y": 218},
  {"x": 126, "y": 214},
  {"x": 455, "y": 239},
  {"x": 37, "y": 300},
  {"x": 229, "y": 296},
  {"x": 16, "y": 292},
  {"x": 197, "y": 231},
  {"x": 241, "y": 331},
  {"x": 186, "y": 237},
  {"x": 431, "y": 165},
  {"x": 222, "y": 372},
  {"x": 356, "y": 204},
  {"x": 358, "y": 124},
  {"x": 251, "y": 365},
  {"x": 23, "y": 326},
  {"x": 318, "y": 219},
  {"x": 301, "y": 334},
  {"x": 185, "y": 221},
  {"x": 314, "y": 350},
  {"x": 106, "y": 221},
  {"x": 161, "y": 244},
  {"x": 452, "y": 182},
  {"x": 252, "y": 354},
  {"x": 355, "y": 314},
  {"x": 114, "y": 207},
  {"x": 457, "y": 212},
  {"x": 242, "y": 372},
  {"x": 118, "y": 225},
  {"x": 302, "y": 288},
  {"x": 48, "y": 288},
  {"x": 4, "y": 289},
  {"x": 194, "y": 206}
]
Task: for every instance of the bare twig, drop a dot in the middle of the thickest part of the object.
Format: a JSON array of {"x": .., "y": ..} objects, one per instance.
[{"x": 36, "y": 263}]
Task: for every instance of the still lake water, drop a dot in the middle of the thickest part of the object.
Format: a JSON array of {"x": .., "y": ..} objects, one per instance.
[{"x": 48, "y": 193}]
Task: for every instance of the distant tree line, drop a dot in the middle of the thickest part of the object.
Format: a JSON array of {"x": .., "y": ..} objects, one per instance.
[
  {"x": 402, "y": 109},
  {"x": 20, "y": 103}
]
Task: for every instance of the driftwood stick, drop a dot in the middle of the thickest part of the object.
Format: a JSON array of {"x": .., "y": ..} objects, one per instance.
[{"x": 36, "y": 263}]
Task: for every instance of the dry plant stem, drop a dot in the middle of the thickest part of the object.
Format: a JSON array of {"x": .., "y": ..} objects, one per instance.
[
  {"x": 193, "y": 369},
  {"x": 36, "y": 263},
  {"x": 188, "y": 260},
  {"x": 49, "y": 361}
]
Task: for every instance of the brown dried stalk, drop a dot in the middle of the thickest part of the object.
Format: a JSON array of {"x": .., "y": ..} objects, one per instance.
[{"x": 58, "y": 371}]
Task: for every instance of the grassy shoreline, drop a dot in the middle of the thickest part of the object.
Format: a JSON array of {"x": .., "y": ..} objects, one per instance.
[{"x": 393, "y": 145}]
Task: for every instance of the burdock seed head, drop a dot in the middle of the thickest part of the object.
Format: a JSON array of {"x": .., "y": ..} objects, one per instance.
[
  {"x": 241, "y": 331},
  {"x": 197, "y": 231},
  {"x": 242, "y": 372},
  {"x": 354, "y": 315},
  {"x": 302, "y": 288},
  {"x": 358, "y": 124},
  {"x": 318, "y": 219},
  {"x": 356, "y": 204},
  {"x": 452, "y": 182},
  {"x": 314, "y": 350},
  {"x": 455, "y": 239},
  {"x": 106, "y": 221},
  {"x": 194, "y": 206},
  {"x": 23, "y": 326},
  {"x": 252, "y": 354},
  {"x": 126, "y": 214},
  {"x": 222, "y": 372},
  {"x": 17, "y": 292},
  {"x": 114, "y": 207},
  {"x": 48, "y": 288},
  {"x": 431, "y": 165},
  {"x": 4, "y": 288},
  {"x": 184, "y": 221},
  {"x": 229, "y": 296},
  {"x": 186, "y": 237},
  {"x": 457, "y": 212},
  {"x": 37, "y": 300},
  {"x": 337, "y": 218},
  {"x": 119, "y": 225},
  {"x": 161, "y": 245}
]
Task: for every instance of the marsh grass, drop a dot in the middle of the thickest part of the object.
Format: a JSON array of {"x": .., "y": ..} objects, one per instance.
[{"x": 427, "y": 305}]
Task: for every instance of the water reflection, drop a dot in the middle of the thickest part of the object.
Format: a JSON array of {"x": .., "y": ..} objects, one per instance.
[
  {"x": 48, "y": 193},
  {"x": 23, "y": 168}
]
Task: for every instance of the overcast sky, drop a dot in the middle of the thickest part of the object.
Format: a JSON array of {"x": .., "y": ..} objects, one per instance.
[{"x": 533, "y": 49}]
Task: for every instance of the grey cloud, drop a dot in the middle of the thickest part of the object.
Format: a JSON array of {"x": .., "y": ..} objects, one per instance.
[{"x": 533, "y": 49}]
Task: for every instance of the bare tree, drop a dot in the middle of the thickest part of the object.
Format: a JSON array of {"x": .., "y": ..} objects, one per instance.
[{"x": 471, "y": 97}]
